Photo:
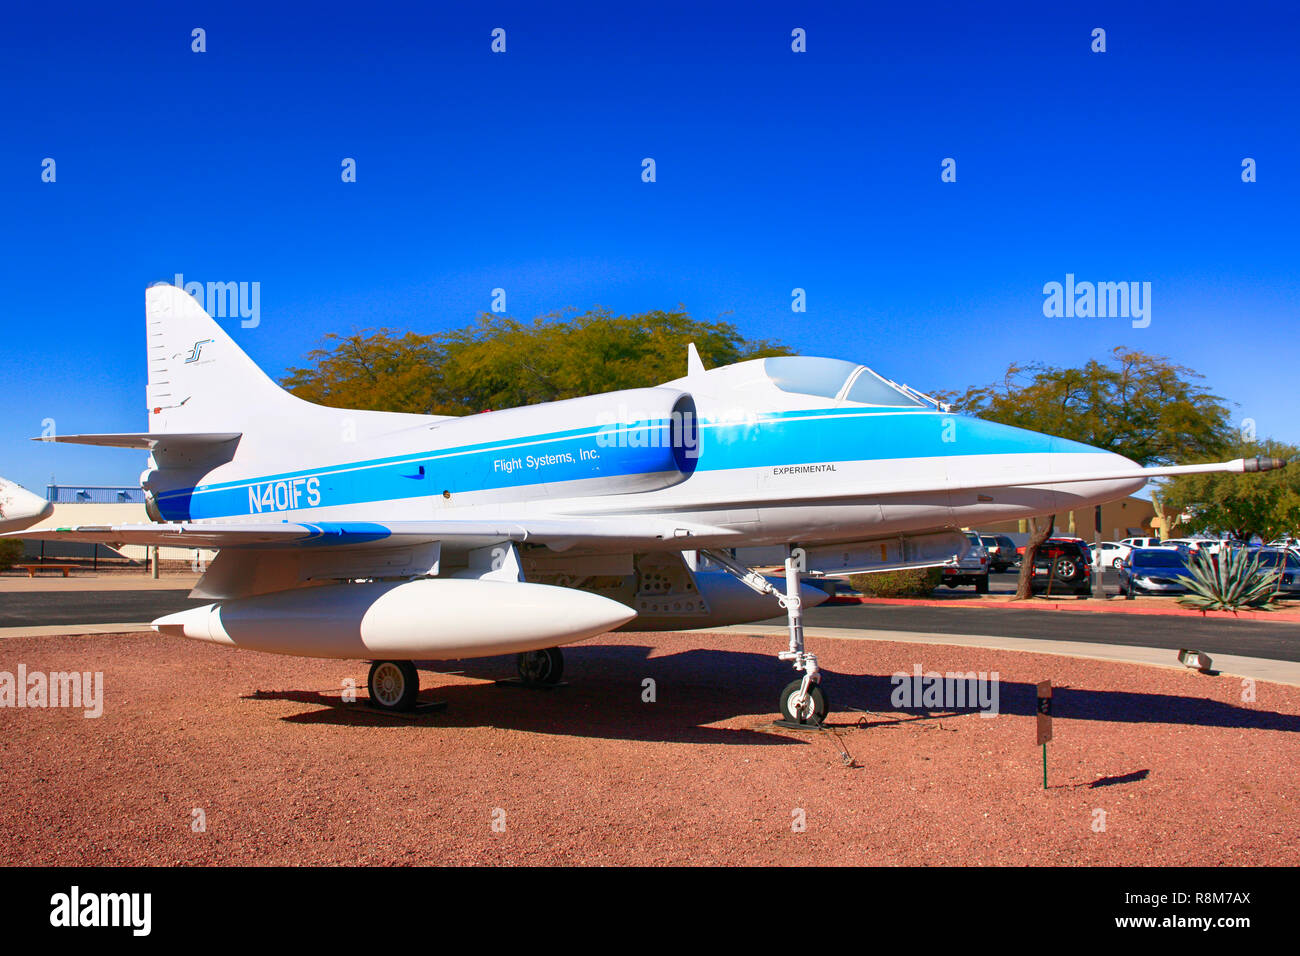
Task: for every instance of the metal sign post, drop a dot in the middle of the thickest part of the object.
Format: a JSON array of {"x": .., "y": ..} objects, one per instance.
[
  {"x": 1044, "y": 721},
  {"x": 1098, "y": 579}
]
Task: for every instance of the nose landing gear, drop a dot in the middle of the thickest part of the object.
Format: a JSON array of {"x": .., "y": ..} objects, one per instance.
[{"x": 802, "y": 701}]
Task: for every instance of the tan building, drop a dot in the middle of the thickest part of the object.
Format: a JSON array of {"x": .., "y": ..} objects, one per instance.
[
  {"x": 69, "y": 515},
  {"x": 1127, "y": 518}
]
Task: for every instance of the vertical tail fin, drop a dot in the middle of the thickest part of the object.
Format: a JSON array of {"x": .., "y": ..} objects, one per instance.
[{"x": 199, "y": 379}]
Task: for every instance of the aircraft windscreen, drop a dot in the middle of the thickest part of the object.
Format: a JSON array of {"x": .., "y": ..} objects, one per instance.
[
  {"x": 808, "y": 376},
  {"x": 825, "y": 378},
  {"x": 871, "y": 389}
]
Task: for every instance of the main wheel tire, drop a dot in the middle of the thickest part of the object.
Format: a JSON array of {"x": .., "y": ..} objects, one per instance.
[
  {"x": 814, "y": 709},
  {"x": 982, "y": 586},
  {"x": 394, "y": 685},
  {"x": 540, "y": 667},
  {"x": 1117, "y": 563}
]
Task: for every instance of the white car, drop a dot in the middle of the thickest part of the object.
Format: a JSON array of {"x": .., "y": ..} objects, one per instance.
[
  {"x": 1140, "y": 542},
  {"x": 1110, "y": 554},
  {"x": 1191, "y": 544}
]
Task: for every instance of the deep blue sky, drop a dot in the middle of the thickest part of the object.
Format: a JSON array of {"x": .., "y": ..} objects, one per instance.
[{"x": 775, "y": 170}]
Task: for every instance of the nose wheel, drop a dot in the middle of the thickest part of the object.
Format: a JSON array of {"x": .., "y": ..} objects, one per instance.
[{"x": 800, "y": 708}]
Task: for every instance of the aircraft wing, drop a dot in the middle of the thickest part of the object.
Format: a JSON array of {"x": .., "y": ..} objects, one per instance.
[{"x": 559, "y": 533}]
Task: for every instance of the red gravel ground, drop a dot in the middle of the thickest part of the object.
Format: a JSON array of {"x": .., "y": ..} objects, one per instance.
[{"x": 1185, "y": 772}]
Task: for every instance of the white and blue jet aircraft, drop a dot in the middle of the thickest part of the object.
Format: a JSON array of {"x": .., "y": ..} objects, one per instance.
[
  {"x": 397, "y": 538},
  {"x": 19, "y": 508}
]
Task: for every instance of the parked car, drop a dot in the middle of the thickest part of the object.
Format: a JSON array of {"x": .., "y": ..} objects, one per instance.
[
  {"x": 1285, "y": 561},
  {"x": 971, "y": 568},
  {"x": 1001, "y": 550},
  {"x": 1154, "y": 571},
  {"x": 1141, "y": 542},
  {"x": 1191, "y": 544},
  {"x": 1111, "y": 554},
  {"x": 1214, "y": 546},
  {"x": 1062, "y": 566}
]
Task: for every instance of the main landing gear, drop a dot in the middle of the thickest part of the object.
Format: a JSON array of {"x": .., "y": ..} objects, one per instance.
[
  {"x": 394, "y": 685},
  {"x": 802, "y": 701},
  {"x": 540, "y": 668}
]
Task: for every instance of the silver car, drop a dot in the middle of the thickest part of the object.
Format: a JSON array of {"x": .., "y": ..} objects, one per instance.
[
  {"x": 971, "y": 567},
  {"x": 1285, "y": 562}
]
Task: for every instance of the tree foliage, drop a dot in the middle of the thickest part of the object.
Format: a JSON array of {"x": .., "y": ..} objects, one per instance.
[
  {"x": 1266, "y": 504},
  {"x": 501, "y": 362},
  {"x": 11, "y": 552},
  {"x": 1137, "y": 405},
  {"x": 1140, "y": 406}
]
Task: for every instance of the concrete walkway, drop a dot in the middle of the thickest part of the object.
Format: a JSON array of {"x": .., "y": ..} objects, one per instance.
[
  {"x": 89, "y": 581},
  {"x": 1282, "y": 672},
  {"x": 73, "y": 630}
]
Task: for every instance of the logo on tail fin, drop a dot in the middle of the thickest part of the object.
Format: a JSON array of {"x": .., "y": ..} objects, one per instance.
[{"x": 194, "y": 352}]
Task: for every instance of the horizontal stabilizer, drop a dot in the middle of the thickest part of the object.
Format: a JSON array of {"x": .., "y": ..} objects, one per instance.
[{"x": 147, "y": 441}]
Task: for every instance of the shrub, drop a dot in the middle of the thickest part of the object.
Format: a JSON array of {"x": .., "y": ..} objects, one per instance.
[
  {"x": 11, "y": 552},
  {"x": 915, "y": 582},
  {"x": 1229, "y": 581}
]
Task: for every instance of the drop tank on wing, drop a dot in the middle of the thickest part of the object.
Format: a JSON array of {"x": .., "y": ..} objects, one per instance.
[{"x": 432, "y": 619}]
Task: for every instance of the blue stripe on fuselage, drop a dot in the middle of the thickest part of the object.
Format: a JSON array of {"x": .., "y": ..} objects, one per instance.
[{"x": 800, "y": 437}]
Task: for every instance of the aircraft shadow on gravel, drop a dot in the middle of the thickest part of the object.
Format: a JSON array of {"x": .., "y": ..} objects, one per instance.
[{"x": 603, "y": 698}]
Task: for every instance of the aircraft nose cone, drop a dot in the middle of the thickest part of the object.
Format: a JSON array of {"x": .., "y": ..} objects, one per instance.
[
  {"x": 20, "y": 509},
  {"x": 1075, "y": 458}
]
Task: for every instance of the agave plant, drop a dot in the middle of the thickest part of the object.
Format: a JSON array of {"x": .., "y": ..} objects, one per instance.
[{"x": 1229, "y": 581}]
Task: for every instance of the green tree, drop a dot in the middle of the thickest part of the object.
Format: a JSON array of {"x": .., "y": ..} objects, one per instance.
[
  {"x": 501, "y": 362},
  {"x": 1137, "y": 405},
  {"x": 1265, "y": 504}
]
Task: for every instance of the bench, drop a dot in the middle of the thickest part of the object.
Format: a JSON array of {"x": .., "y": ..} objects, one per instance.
[{"x": 31, "y": 569}]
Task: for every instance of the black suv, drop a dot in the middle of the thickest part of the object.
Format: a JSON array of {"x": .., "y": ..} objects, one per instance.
[{"x": 1062, "y": 567}]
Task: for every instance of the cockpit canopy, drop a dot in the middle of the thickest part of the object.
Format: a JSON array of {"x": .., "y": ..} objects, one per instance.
[{"x": 837, "y": 379}]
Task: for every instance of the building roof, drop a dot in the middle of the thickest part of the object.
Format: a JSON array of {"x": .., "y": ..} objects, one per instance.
[{"x": 93, "y": 494}]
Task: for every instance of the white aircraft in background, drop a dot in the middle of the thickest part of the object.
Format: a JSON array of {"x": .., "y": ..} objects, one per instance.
[
  {"x": 396, "y": 538},
  {"x": 19, "y": 508}
]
